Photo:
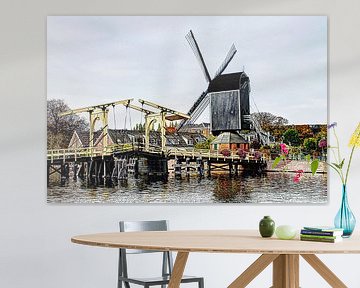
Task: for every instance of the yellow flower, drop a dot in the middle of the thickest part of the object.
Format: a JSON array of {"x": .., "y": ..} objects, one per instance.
[{"x": 355, "y": 137}]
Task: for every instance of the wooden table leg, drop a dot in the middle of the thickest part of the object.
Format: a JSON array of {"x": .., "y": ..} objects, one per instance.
[
  {"x": 286, "y": 271},
  {"x": 253, "y": 270},
  {"x": 324, "y": 271},
  {"x": 178, "y": 269}
]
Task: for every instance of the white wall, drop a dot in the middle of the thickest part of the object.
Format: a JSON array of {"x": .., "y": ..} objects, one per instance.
[{"x": 35, "y": 248}]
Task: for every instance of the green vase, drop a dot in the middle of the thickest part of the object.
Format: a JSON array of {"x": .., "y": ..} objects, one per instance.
[{"x": 266, "y": 227}]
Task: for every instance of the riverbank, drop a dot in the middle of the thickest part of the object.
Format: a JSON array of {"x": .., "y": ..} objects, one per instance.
[{"x": 294, "y": 166}]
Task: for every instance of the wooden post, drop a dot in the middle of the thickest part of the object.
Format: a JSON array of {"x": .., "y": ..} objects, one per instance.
[
  {"x": 113, "y": 174},
  {"x": 200, "y": 167},
  {"x": 209, "y": 168},
  {"x": 86, "y": 169},
  {"x": 62, "y": 171},
  {"x": 119, "y": 168},
  {"x": 95, "y": 169},
  {"x": 165, "y": 168},
  {"x": 48, "y": 173},
  {"x": 236, "y": 169},
  {"x": 67, "y": 170},
  {"x": 82, "y": 171},
  {"x": 188, "y": 167},
  {"x": 136, "y": 168},
  {"x": 177, "y": 168},
  {"x": 75, "y": 170}
]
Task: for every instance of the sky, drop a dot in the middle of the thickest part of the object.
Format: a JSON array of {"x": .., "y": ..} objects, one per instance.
[{"x": 99, "y": 59}]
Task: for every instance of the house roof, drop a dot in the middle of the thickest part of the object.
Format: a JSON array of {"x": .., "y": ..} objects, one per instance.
[
  {"x": 229, "y": 138},
  {"x": 197, "y": 137},
  {"x": 227, "y": 82},
  {"x": 128, "y": 136},
  {"x": 195, "y": 125},
  {"x": 124, "y": 136},
  {"x": 84, "y": 137},
  {"x": 174, "y": 139}
]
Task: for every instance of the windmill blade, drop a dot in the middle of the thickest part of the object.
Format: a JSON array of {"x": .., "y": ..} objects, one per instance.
[
  {"x": 226, "y": 61},
  {"x": 195, "y": 47},
  {"x": 200, "y": 109},
  {"x": 197, "y": 103},
  {"x": 196, "y": 110}
]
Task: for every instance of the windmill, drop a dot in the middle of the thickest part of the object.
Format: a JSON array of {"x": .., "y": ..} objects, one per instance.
[{"x": 227, "y": 95}]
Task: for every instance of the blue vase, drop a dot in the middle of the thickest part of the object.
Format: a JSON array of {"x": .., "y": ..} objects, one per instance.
[{"x": 345, "y": 219}]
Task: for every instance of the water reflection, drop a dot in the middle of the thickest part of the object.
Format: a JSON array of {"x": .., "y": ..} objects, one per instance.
[{"x": 265, "y": 188}]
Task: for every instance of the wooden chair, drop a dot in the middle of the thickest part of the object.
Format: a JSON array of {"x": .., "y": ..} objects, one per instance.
[{"x": 167, "y": 262}]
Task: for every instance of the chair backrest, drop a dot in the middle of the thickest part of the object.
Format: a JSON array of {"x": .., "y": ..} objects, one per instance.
[{"x": 134, "y": 226}]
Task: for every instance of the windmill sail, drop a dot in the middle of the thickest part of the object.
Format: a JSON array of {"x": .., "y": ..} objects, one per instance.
[
  {"x": 194, "y": 108},
  {"x": 226, "y": 61},
  {"x": 204, "y": 100},
  {"x": 195, "y": 47},
  {"x": 200, "y": 109}
]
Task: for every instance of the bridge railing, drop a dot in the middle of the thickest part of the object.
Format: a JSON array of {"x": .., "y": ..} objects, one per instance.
[
  {"x": 210, "y": 154},
  {"x": 64, "y": 154},
  {"x": 75, "y": 153},
  {"x": 186, "y": 152}
]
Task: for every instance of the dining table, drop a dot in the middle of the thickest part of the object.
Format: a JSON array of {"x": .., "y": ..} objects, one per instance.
[{"x": 282, "y": 254}]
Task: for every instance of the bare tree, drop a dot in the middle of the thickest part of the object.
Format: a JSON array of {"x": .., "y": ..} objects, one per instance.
[
  {"x": 271, "y": 123},
  {"x": 61, "y": 128}
]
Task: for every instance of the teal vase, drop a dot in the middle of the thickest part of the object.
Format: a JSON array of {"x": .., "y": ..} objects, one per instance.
[
  {"x": 266, "y": 227},
  {"x": 345, "y": 219}
]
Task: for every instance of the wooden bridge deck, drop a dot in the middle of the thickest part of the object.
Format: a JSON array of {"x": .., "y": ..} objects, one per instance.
[{"x": 83, "y": 154}]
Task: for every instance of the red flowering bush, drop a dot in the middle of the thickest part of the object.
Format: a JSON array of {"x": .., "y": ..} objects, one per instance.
[
  {"x": 322, "y": 143},
  {"x": 257, "y": 155},
  {"x": 241, "y": 153},
  {"x": 225, "y": 152}
]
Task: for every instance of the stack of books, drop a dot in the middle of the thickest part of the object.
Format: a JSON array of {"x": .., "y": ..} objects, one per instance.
[{"x": 321, "y": 234}]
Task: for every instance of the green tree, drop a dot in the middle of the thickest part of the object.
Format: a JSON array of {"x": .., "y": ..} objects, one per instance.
[
  {"x": 206, "y": 144},
  {"x": 61, "y": 128},
  {"x": 139, "y": 127},
  {"x": 291, "y": 137},
  {"x": 310, "y": 145}
]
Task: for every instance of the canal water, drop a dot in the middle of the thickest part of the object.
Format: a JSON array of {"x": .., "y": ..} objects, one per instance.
[{"x": 271, "y": 187}]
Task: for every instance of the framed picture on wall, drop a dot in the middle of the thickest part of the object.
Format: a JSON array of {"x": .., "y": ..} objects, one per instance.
[{"x": 186, "y": 109}]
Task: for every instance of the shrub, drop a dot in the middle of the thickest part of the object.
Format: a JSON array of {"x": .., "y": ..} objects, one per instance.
[
  {"x": 257, "y": 155},
  {"x": 241, "y": 153},
  {"x": 225, "y": 152}
]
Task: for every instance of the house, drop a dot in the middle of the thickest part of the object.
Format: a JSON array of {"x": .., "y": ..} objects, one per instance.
[
  {"x": 121, "y": 136},
  {"x": 202, "y": 128},
  {"x": 192, "y": 139},
  {"x": 230, "y": 141},
  {"x": 138, "y": 138},
  {"x": 249, "y": 136},
  {"x": 81, "y": 139}
]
